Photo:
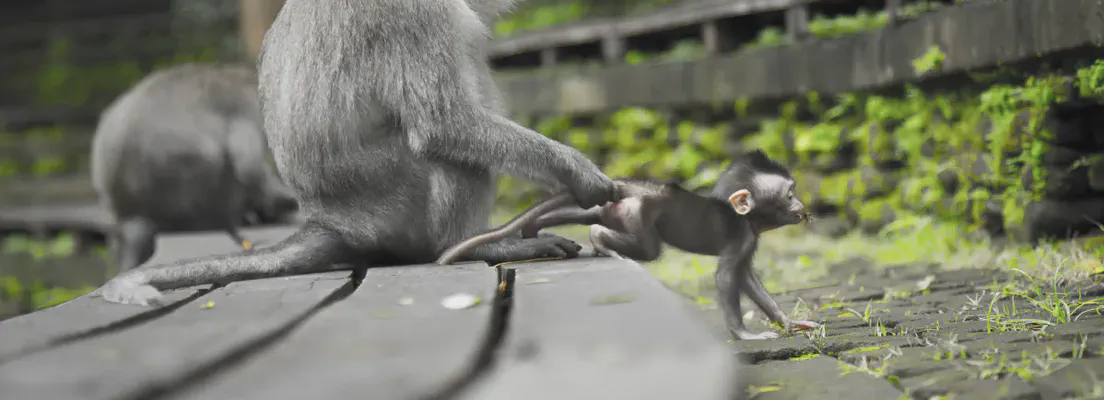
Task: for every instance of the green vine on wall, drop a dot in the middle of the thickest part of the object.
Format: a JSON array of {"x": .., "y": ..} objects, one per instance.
[
  {"x": 33, "y": 294},
  {"x": 549, "y": 14},
  {"x": 988, "y": 140}
]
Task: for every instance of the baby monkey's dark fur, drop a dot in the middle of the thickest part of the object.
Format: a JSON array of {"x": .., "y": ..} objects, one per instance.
[{"x": 753, "y": 195}]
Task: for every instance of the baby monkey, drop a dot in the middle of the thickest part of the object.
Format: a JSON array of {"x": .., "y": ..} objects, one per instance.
[{"x": 755, "y": 194}]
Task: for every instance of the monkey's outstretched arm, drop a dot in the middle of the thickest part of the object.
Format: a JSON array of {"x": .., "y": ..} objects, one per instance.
[
  {"x": 311, "y": 249},
  {"x": 439, "y": 106},
  {"x": 757, "y": 293}
]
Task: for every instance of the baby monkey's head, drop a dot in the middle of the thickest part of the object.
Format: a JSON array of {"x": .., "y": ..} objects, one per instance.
[{"x": 762, "y": 190}]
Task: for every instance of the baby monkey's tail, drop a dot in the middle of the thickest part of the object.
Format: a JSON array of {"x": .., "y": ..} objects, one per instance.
[{"x": 516, "y": 224}]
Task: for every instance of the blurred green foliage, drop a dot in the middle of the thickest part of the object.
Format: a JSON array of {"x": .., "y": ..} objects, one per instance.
[
  {"x": 546, "y": 14},
  {"x": 821, "y": 26},
  {"x": 39, "y": 153},
  {"x": 61, "y": 80},
  {"x": 31, "y": 293}
]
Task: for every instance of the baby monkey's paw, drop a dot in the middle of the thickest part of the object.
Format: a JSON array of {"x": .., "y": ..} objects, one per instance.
[
  {"x": 128, "y": 292},
  {"x": 802, "y": 325}
]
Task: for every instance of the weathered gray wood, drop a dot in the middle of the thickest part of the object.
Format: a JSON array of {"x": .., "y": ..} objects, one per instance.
[
  {"x": 659, "y": 20},
  {"x": 161, "y": 352},
  {"x": 797, "y": 22},
  {"x": 569, "y": 337},
  {"x": 77, "y": 217},
  {"x": 613, "y": 49},
  {"x": 90, "y": 312},
  {"x": 712, "y": 38},
  {"x": 971, "y": 35},
  {"x": 893, "y": 11},
  {"x": 75, "y": 317},
  {"x": 371, "y": 346},
  {"x": 178, "y": 245},
  {"x": 548, "y": 58}
]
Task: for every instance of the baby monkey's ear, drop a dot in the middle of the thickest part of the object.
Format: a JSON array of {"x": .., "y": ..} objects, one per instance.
[{"x": 741, "y": 201}]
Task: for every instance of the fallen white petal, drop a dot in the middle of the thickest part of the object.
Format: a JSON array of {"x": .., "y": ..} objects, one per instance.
[{"x": 459, "y": 301}]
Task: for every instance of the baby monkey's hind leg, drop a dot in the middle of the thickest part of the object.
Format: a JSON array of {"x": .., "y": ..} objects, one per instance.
[
  {"x": 563, "y": 216},
  {"x": 643, "y": 247}
]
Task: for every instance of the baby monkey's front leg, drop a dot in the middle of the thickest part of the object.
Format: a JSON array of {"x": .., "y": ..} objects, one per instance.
[
  {"x": 759, "y": 295},
  {"x": 734, "y": 277}
]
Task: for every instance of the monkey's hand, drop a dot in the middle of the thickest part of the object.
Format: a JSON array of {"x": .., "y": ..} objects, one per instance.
[
  {"x": 591, "y": 187},
  {"x": 546, "y": 245},
  {"x": 125, "y": 290}
]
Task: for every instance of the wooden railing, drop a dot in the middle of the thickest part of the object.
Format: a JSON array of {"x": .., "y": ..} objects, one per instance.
[
  {"x": 973, "y": 37},
  {"x": 720, "y": 24}
]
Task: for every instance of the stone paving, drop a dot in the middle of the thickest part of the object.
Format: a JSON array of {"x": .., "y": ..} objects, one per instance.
[{"x": 912, "y": 332}]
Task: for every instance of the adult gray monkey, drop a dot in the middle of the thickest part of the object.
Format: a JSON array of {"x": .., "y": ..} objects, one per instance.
[
  {"x": 384, "y": 121},
  {"x": 183, "y": 150}
]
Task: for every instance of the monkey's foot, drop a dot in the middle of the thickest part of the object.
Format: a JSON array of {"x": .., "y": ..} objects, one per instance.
[
  {"x": 128, "y": 292},
  {"x": 544, "y": 246},
  {"x": 749, "y": 335},
  {"x": 801, "y": 324}
]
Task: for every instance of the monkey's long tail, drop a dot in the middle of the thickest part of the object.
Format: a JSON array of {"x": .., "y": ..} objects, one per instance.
[
  {"x": 310, "y": 249},
  {"x": 516, "y": 224}
]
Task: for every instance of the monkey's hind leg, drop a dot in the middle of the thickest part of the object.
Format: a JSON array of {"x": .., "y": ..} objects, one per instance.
[
  {"x": 563, "y": 216},
  {"x": 310, "y": 249},
  {"x": 137, "y": 241}
]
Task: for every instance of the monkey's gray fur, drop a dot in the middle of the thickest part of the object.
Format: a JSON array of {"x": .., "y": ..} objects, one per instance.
[
  {"x": 183, "y": 150},
  {"x": 384, "y": 121}
]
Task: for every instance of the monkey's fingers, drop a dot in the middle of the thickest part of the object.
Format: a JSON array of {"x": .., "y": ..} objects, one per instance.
[{"x": 804, "y": 324}]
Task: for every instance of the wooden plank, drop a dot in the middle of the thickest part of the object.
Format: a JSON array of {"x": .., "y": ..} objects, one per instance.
[
  {"x": 158, "y": 354},
  {"x": 598, "y": 328},
  {"x": 78, "y": 217},
  {"x": 797, "y": 22},
  {"x": 658, "y": 20},
  {"x": 74, "y": 190},
  {"x": 90, "y": 313},
  {"x": 41, "y": 329},
  {"x": 893, "y": 11},
  {"x": 973, "y": 36},
  {"x": 613, "y": 49},
  {"x": 548, "y": 58},
  {"x": 369, "y": 345}
]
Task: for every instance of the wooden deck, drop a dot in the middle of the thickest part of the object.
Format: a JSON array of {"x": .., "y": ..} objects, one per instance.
[{"x": 587, "y": 328}]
